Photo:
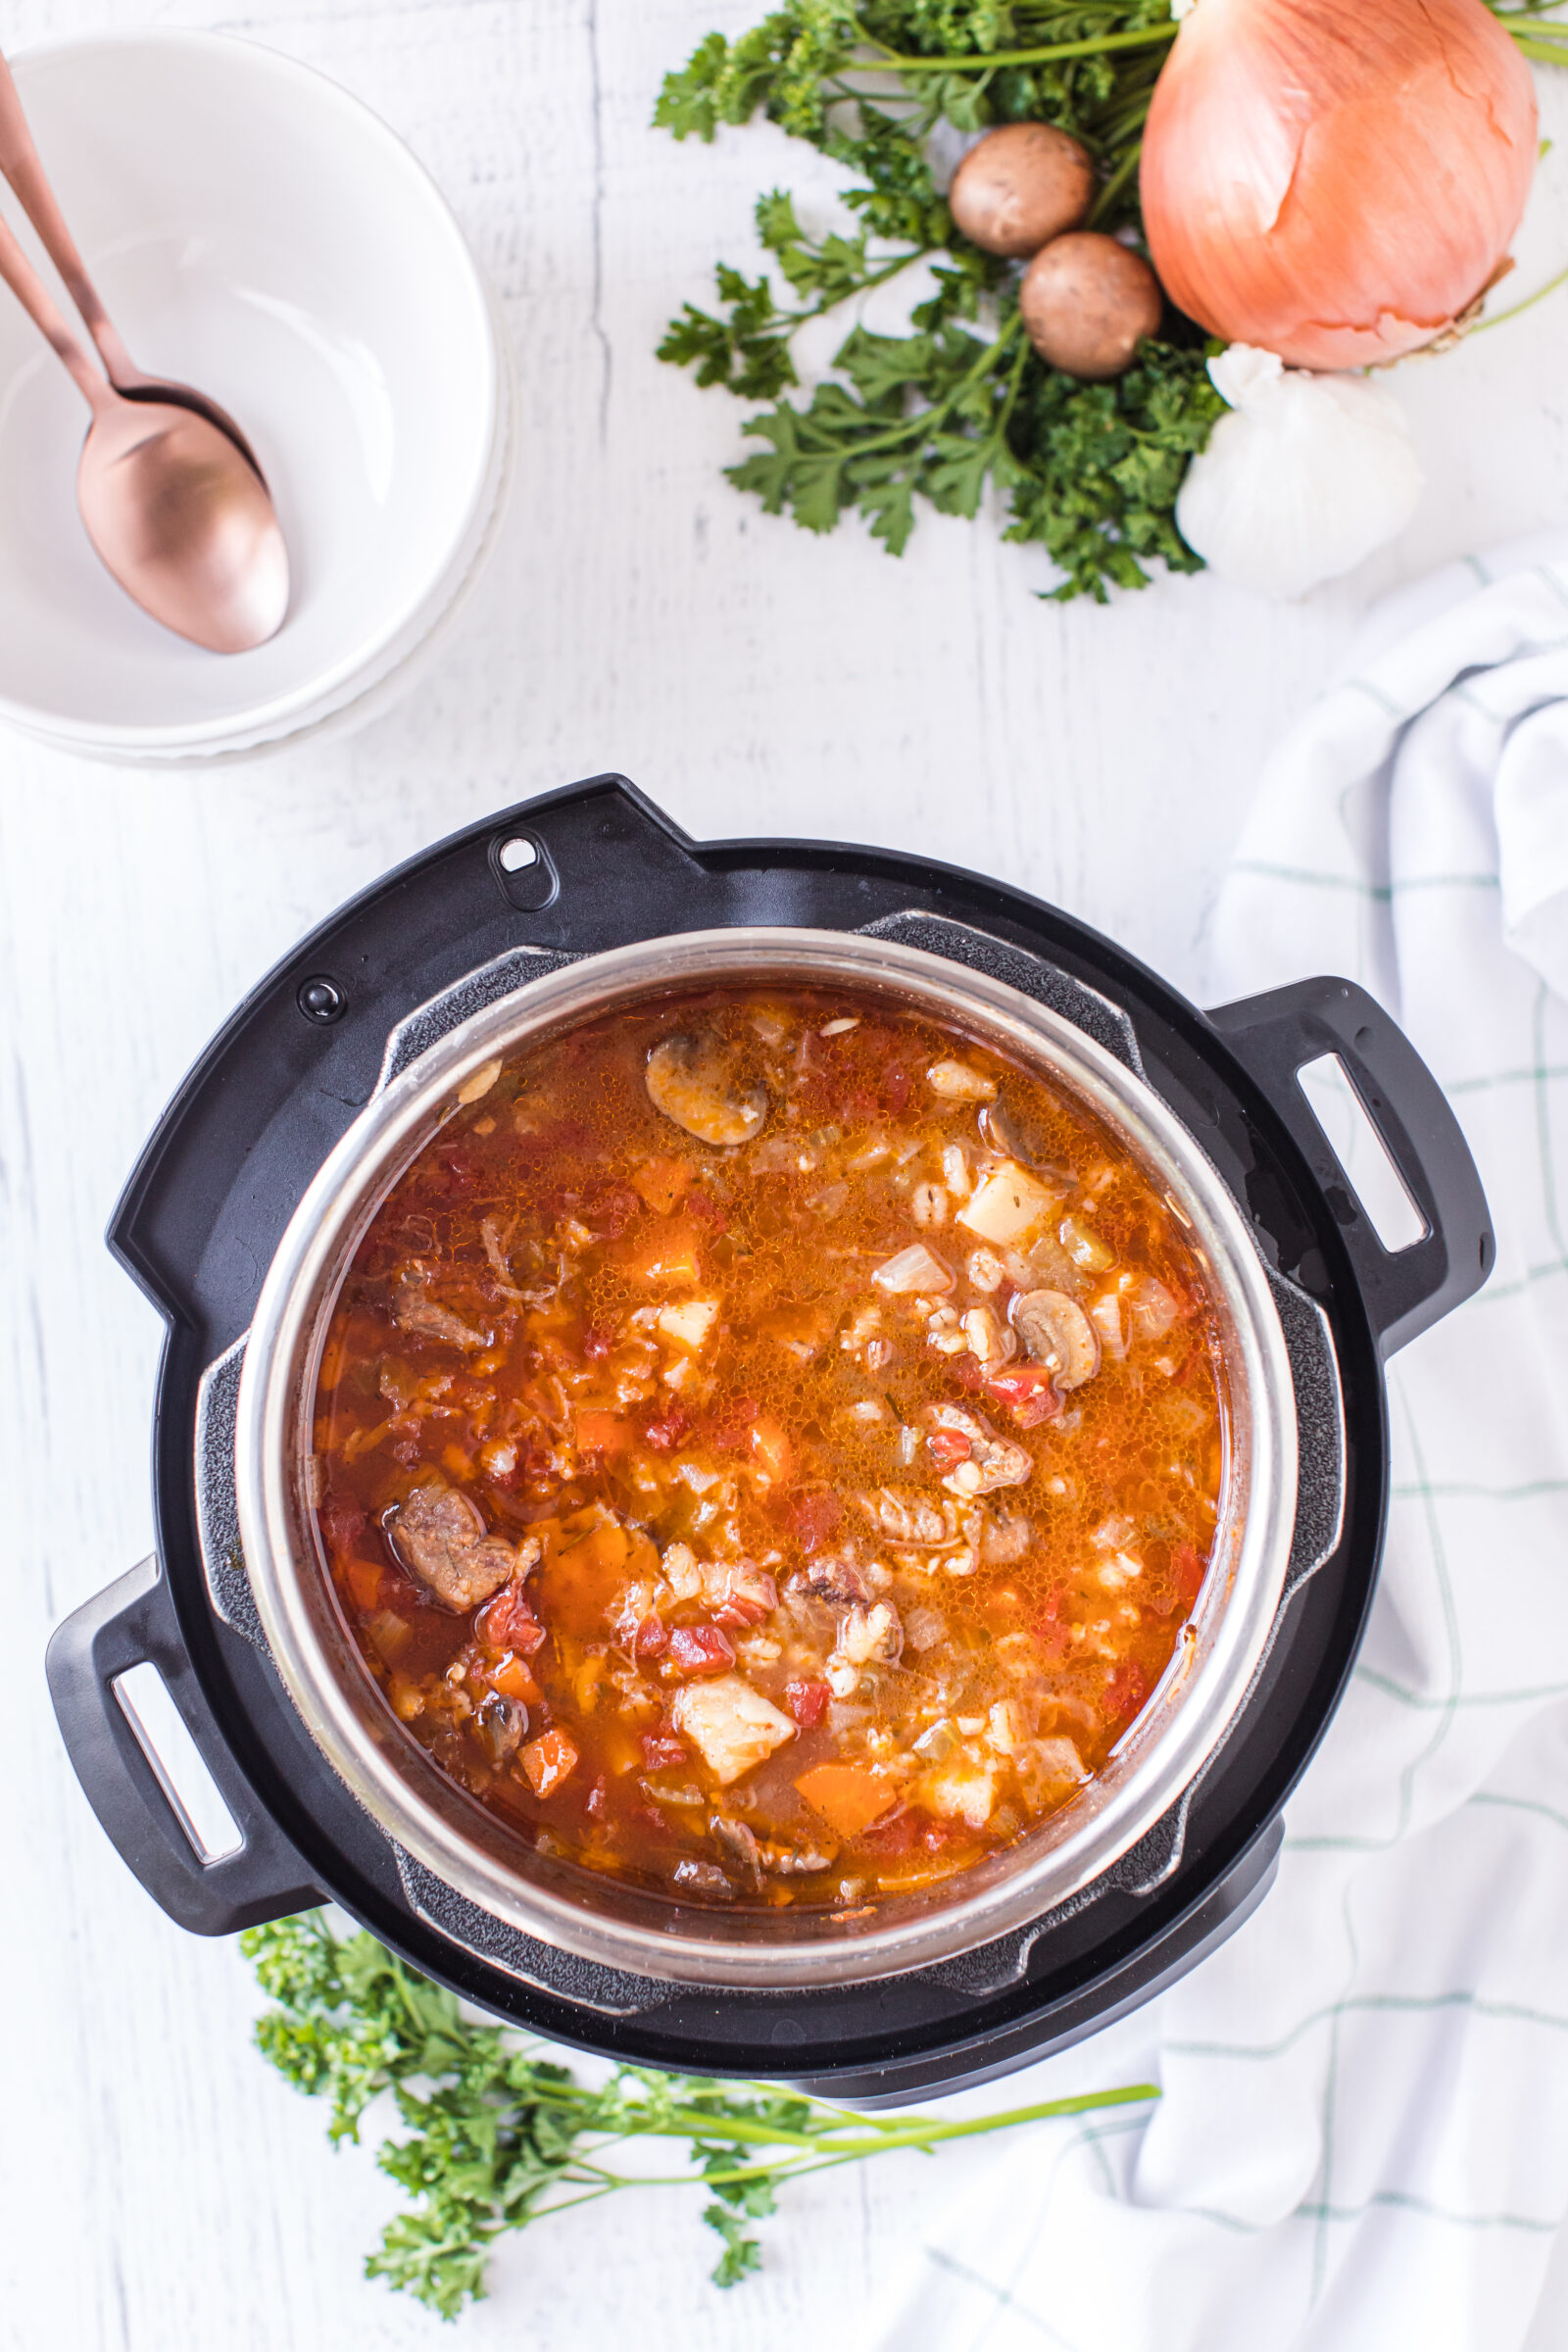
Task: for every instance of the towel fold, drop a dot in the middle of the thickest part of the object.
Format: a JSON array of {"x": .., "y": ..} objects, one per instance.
[{"x": 1363, "y": 2144}]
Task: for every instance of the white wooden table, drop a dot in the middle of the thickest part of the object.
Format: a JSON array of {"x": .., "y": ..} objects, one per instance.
[{"x": 159, "y": 2187}]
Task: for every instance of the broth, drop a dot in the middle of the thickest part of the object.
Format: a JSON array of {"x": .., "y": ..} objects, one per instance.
[{"x": 769, "y": 1444}]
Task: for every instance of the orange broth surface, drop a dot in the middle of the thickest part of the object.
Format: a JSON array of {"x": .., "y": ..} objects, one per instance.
[{"x": 768, "y": 1446}]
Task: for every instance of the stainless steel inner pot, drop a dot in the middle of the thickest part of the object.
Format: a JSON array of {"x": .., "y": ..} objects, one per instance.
[{"x": 594, "y": 1916}]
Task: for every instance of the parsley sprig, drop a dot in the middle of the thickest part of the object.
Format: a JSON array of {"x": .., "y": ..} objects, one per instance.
[
  {"x": 497, "y": 2137},
  {"x": 961, "y": 402}
]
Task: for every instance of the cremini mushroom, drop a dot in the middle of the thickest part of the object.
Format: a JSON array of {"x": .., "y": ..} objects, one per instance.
[
  {"x": 689, "y": 1079},
  {"x": 1023, "y": 185},
  {"x": 1087, "y": 303},
  {"x": 1058, "y": 1334}
]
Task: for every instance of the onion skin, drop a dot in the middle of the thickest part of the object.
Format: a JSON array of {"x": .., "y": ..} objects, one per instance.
[
  {"x": 1335, "y": 180},
  {"x": 1019, "y": 187},
  {"x": 1087, "y": 303}
]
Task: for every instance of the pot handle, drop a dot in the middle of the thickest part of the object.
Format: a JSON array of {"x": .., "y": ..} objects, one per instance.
[
  {"x": 131, "y": 1623},
  {"x": 1274, "y": 1036}
]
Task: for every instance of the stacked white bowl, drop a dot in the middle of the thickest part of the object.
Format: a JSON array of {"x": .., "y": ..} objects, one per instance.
[{"x": 255, "y": 231}]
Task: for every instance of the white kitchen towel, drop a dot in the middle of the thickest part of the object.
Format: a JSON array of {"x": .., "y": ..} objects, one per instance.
[{"x": 1362, "y": 2143}]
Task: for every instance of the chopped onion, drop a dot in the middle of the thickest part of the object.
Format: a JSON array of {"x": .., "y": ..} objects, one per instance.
[
  {"x": 915, "y": 1269},
  {"x": 1332, "y": 181}
]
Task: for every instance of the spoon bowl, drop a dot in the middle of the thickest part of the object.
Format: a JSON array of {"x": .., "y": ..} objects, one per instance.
[{"x": 182, "y": 519}]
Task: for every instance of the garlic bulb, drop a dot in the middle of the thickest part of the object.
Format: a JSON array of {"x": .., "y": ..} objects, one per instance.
[{"x": 1304, "y": 479}]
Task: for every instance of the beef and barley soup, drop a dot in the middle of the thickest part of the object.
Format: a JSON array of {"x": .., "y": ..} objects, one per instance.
[{"x": 768, "y": 1446}]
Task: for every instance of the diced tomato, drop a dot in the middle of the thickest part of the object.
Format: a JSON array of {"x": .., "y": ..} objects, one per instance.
[
  {"x": 1126, "y": 1691},
  {"x": 750, "y": 1595},
  {"x": 949, "y": 1446},
  {"x": 662, "y": 1748},
  {"x": 703, "y": 1204},
  {"x": 661, "y": 1182},
  {"x": 701, "y": 1649},
  {"x": 342, "y": 1524},
  {"x": 732, "y": 1427},
  {"x": 814, "y": 1518},
  {"x": 602, "y": 1433},
  {"x": 1186, "y": 1572},
  {"x": 509, "y": 1623},
  {"x": 807, "y": 1702},
  {"x": 1029, "y": 1389},
  {"x": 848, "y": 1797},
  {"x": 968, "y": 1371},
  {"x": 652, "y": 1638},
  {"x": 549, "y": 1760},
  {"x": 665, "y": 1435},
  {"x": 1049, "y": 1632}
]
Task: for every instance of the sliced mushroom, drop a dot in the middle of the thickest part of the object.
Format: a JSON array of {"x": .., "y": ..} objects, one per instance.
[
  {"x": 688, "y": 1080},
  {"x": 502, "y": 1724},
  {"x": 740, "y": 1844},
  {"x": 704, "y": 1879},
  {"x": 439, "y": 1537},
  {"x": 1015, "y": 1138},
  {"x": 795, "y": 1861},
  {"x": 1058, "y": 1334}
]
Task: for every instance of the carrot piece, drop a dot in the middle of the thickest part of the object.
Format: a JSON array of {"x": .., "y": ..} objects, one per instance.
[
  {"x": 847, "y": 1796},
  {"x": 661, "y": 1182},
  {"x": 364, "y": 1581},
  {"x": 667, "y": 1256},
  {"x": 513, "y": 1677},
  {"x": 770, "y": 1447},
  {"x": 549, "y": 1760},
  {"x": 602, "y": 1433}
]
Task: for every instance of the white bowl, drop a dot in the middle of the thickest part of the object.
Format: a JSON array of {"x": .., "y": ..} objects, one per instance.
[
  {"x": 397, "y": 666},
  {"x": 254, "y": 231}
]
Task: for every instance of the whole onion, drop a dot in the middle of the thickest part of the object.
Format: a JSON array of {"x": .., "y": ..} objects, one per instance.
[{"x": 1335, "y": 180}]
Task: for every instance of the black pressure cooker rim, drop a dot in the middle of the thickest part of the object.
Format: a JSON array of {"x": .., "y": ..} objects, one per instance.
[{"x": 598, "y": 865}]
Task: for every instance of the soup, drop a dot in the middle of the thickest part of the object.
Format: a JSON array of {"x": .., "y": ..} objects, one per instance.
[{"x": 769, "y": 1444}]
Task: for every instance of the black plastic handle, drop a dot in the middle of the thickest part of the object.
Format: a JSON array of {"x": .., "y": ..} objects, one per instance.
[
  {"x": 130, "y": 1623},
  {"x": 1274, "y": 1036}
]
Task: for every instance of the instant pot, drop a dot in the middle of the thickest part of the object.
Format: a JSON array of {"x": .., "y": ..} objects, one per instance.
[{"x": 250, "y": 1199}]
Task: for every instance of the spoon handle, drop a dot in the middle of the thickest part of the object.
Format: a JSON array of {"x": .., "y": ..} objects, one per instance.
[
  {"x": 36, "y": 299},
  {"x": 20, "y": 162}
]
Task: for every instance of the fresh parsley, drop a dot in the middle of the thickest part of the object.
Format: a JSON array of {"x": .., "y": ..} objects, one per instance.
[
  {"x": 496, "y": 2137},
  {"x": 961, "y": 402}
]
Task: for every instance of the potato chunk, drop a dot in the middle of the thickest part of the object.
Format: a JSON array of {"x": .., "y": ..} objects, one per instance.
[
  {"x": 1007, "y": 1205},
  {"x": 959, "y": 1791},
  {"x": 731, "y": 1726},
  {"x": 690, "y": 1323}
]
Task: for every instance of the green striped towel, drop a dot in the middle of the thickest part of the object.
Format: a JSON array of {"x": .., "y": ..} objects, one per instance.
[{"x": 1363, "y": 2144}]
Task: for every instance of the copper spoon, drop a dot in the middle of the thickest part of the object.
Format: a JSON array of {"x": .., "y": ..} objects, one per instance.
[
  {"x": 181, "y": 520},
  {"x": 20, "y": 164}
]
